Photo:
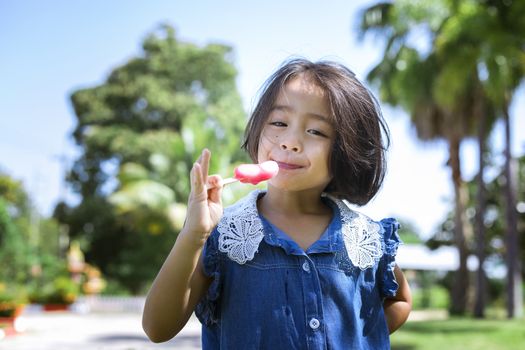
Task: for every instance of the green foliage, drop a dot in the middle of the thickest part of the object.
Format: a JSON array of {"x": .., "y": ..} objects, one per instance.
[
  {"x": 52, "y": 283},
  {"x": 13, "y": 193},
  {"x": 431, "y": 297},
  {"x": 140, "y": 132},
  {"x": 488, "y": 35},
  {"x": 14, "y": 250},
  {"x": 495, "y": 228},
  {"x": 30, "y": 252},
  {"x": 12, "y": 296},
  {"x": 494, "y": 221},
  {"x": 114, "y": 287},
  {"x": 453, "y": 66},
  {"x": 61, "y": 290},
  {"x": 51, "y": 267},
  {"x": 142, "y": 202},
  {"x": 408, "y": 233},
  {"x": 475, "y": 56},
  {"x": 16, "y": 210}
]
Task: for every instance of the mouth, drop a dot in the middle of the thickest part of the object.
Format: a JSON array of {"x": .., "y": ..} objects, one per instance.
[{"x": 288, "y": 166}]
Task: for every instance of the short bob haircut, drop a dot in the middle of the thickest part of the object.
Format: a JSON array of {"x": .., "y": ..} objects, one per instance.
[{"x": 357, "y": 160}]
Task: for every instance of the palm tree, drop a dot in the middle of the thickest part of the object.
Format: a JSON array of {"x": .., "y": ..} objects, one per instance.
[
  {"x": 476, "y": 62},
  {"x": 504, "y": 57},
  {"x": 460, "y": 43},
  {"x": 441, "y": 91}
]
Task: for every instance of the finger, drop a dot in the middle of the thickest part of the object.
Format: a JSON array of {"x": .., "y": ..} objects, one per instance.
[
  {"x": 214, "y": 181},
  {"x": 205, "y": 163},
  {"x": 197, "y": 181},
  {"x": 199, "y": 160}
]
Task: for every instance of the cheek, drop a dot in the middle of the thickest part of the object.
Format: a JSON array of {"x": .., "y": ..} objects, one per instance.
[
  {"x": 267, "y": 142},
  {"x": 326, "y": 156},
  {"x": 329, "y": 166},
  {"x": 269, "y": 134},
  {"x": 268, "y": 138},
  {"x": 262, "y": 149}
]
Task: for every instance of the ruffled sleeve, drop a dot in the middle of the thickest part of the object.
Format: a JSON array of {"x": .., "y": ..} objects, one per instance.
[
  {"x": 207, "y": 310},
  {"x": 391, "y": 241}
]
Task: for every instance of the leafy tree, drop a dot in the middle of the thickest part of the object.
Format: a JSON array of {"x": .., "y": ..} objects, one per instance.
[
  {"x": 26, "y": 238},
  {"x": 12, "y": 191},
  {"x": 140, "y": 132},
  {"x": 408, "y": 233},
  {"x": 489, "y": 35},
  {"x": 505, "y": 61},
  {"x": 15, "y": 250}
]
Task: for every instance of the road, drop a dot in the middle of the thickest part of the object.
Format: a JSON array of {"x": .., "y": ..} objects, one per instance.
[{"x": 93, "y": 331}]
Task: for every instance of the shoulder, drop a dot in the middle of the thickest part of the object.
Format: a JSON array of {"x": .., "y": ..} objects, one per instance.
[
  {"x": 353, "y": 219},
  {"x": 366, "y": 240}
]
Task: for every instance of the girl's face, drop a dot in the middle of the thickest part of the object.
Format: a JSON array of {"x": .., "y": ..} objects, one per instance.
[{"x": 298, "y": 135}]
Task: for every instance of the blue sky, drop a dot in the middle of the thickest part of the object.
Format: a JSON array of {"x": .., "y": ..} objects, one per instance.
[{"x": 51, "y": 48}]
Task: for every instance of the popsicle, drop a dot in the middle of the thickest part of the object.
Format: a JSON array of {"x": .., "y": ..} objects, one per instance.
[{"x": 253, "y": 173}]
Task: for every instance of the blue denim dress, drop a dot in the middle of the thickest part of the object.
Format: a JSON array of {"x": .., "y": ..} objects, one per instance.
[{"x": 268, "y": 293}]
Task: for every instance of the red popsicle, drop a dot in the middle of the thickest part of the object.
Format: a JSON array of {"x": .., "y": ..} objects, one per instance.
[{"x": 254, "y": 173}]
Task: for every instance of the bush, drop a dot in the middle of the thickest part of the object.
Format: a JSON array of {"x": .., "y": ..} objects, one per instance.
[
  {"x": 62, "y": 290},
  {"x": 113, "y": 287},
  {"x": 434, "y": 297},
  {"x": 11, "y": 298}
]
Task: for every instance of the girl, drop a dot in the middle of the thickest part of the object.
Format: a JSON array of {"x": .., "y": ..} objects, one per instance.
[{"x": 292, "y": 267}]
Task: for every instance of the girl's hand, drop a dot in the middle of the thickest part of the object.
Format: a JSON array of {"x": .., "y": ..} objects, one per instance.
[{"x": 204, "y": 203}]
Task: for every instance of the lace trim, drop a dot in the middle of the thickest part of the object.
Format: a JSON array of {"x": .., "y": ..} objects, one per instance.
[
  {"x": 241, "y": 231},
  {"x": 361, "y": 236}
]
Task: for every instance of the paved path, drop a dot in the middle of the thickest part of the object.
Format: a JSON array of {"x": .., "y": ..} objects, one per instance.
[
  {"x": 93, "y": 331},
  {"x": 111, "y": 331}
]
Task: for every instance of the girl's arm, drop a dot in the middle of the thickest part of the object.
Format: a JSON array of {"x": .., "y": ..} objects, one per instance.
[
  {"x": 181, "y": 283},
  {"x": 398, "y": 307}
]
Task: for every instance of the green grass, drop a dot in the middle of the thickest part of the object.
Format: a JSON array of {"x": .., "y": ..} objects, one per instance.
[
  {"x": 437, "y": 297},
  {"x": 460, "y": 334}
]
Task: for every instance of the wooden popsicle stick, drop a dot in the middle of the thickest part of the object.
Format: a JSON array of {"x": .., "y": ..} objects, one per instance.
[
  {"x": 224, "y": 182},
  {"x": 229, "y": 180}
]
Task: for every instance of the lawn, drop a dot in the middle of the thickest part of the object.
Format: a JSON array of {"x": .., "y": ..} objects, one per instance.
[{"x": 460, "y": 334}]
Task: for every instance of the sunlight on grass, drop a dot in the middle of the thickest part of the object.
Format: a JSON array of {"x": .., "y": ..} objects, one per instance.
[{"x": 460, "y": 334}]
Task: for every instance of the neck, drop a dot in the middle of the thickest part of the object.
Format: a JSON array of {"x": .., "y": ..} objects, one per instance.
[{"x": 292, "y": 202}]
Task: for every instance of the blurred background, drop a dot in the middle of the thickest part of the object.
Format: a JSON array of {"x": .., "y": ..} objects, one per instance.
[{"x": 105, "y": 106}]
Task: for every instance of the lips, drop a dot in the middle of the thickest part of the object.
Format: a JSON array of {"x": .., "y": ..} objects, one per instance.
[{"x": 288, "y": 166}]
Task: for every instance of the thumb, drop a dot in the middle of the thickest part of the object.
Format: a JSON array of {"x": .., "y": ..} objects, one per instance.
[{"x": 215, "y": 188}]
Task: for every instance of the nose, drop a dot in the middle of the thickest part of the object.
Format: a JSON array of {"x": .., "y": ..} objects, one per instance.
[{"x": 290, "y": 142}]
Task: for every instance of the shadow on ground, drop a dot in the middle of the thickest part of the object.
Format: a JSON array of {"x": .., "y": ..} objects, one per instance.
[{"x": 403, "y": 347}]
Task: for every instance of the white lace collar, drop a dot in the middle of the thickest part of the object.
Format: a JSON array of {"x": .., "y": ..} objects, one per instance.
[{"x": 241, "y": 231}]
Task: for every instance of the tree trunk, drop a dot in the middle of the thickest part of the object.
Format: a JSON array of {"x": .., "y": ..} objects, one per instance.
[
  {"x": 479, "y": 305},
  {"x": 460, "y": 286},
  {"x": 514, "y": 289}
]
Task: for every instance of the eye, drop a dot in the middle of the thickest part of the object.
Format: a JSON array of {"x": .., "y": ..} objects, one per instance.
[
  {"x": 278, "y": 124},
  {"x": 316, "y": 132}
]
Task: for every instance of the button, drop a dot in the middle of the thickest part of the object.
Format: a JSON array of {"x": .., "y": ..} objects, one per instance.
[
  {"x": 314, "y": 323},
  {"x": 306, "y": 266}
]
